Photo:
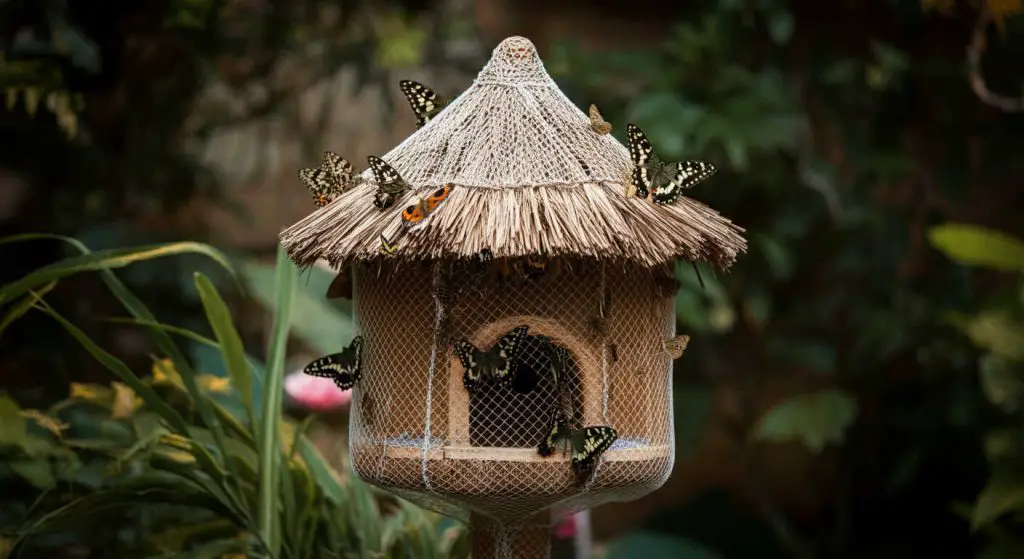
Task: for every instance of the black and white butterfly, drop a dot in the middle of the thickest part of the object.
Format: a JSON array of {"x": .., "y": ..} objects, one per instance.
[
  {"x": 586, "y": 445},
  {"x": 497, "y": 363},
  {"x": 424, "y": 101},
  {"x": 334, "y": 176},
  {"x": 344, "y": 368},
  {"x": 390, "y": 185},
  {"x": 663, "y": 182}
]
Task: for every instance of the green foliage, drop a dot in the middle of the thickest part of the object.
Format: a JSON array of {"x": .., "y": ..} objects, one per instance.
[
  {"x": 815, "y": 420},
  {"x": 999, "y": 330},
  {"x": 167, "y": 444}
]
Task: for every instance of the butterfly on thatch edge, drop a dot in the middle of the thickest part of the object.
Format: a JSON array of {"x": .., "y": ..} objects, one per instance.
[
  {"x": 497, "y": 363},
  {"x": 333, "y": 177},
  {"x": 425, "y": 102},
  {"x": 415, "y": 214},
  {"x": 663, "y": 182},
  {"x": 344, "y": 368},
  {"x": 586, "y": 445},
  {"x": 390, "y": 184}
]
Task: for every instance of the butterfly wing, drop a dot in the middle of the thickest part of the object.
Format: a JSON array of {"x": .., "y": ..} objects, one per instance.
[
  {"x": 387, "y": 248},
  {"x": 319, "y": 184},
  {"x": 640, "y": 151},
  {"x": 558, "y": 434},
  {"x": 687, "y": 175},
  {"x": 437, "y": 198},
  {"x": 597, "y": 122},
  {"x": 339, "y": 169},
  {"x": 676, "y": 346},
  {"x": 424, "y": 101},
  {"x": 389, "y": 182},
  {"x": 589, "y": 444},
  {"x": 473, "y": 362},
  {"x": 414, "y": 214},
  {"x": 505, "y": 354},
  {"x": 344, "y": 368}
]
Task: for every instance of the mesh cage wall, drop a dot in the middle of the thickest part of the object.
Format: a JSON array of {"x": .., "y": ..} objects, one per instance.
[{"x": 417, "y": 432}]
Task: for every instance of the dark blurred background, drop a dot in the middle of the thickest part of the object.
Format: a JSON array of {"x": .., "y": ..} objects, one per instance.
[{"x": 827, "y": 406}]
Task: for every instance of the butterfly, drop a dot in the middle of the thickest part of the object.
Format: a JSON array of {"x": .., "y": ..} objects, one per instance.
[
  {"x": 597, "y": 123},
  {"x": 676, "y": 346},
  {"x": 662, "y": 181},
  {"x": 389, "y": 183},
  {"x": 534, "y": 268},
  {"x": 334, "y": 176},
  {"x": 586, "y": 444},
  {"x": 498, "y": 362},
  {"x": 417, "y": 213},
  {"x": 424, "y": 102},
  {"x": 344, "y": 368},
  {"x": 387, "y": 248}
]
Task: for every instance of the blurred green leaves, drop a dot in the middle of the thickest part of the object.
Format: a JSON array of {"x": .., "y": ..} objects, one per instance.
[
  {"x": 814, "y": 420},
  {"x": 971, "y": 245}
]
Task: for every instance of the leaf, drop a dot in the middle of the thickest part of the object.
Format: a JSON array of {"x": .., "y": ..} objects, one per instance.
[
  {"x": 972, "y": 245},
  {"x": 23, "y": 306},
  {"x": 270, "y": 455},
  {"x": 99, "y": 260},
  {"x": 780, "y": 27},
  {"x": 1000, "y": 496},
  {"x": 51, "y": 424},
  {"x": 998, "y": 332},
  {"x": 219, "y": 317},
  {"x": 815, "y": 419},
  {"x": 12, "y": 424},
  {"x": 37, "y": 472},
  {"x": 315, "y": 322},
  {"x": 1001, "y": 382},
  {"x": 652, "y": 545}
]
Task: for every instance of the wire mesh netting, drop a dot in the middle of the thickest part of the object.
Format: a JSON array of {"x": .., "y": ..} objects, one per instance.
[{"x": 419, "y": 433}]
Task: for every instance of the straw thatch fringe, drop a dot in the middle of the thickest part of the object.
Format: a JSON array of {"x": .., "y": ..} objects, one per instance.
[
  {"x": 530, "y": 177},
  {"x": 589, "y": 220}
]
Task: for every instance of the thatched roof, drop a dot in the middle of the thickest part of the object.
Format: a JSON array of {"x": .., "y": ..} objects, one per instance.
[{"x": 530, "y": 177}]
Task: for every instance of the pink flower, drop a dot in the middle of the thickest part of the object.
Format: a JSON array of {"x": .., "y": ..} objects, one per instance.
[
  {"x": 566, "y": 528},
  {"x": 316, "y": 393}
]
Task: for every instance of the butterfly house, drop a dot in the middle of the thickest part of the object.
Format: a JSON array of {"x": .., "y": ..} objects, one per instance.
[{"x": 512, "y": 268}]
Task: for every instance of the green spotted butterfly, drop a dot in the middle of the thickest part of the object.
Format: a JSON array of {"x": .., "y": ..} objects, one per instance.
[
  {"x": 344, "y": 368},
  {"x": 497, "y": 363}
]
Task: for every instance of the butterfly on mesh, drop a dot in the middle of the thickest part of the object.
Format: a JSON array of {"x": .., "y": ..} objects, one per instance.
[
  {"x": 334, "y": 176},
  {"x": 534, "y": 268},
  {"x": 390, "y": 185},
  {"x": 560, "y": 362},
  {"x": 415, "y": 215},
  {"x": 387, "y": 248},
  {"x": 675, "y": 347},
  {"x": 344, "y": 368},
  {"x": 424, "y": 101},
  {"x": 597, "y": 123},
  {"x": 586, "y": 445},
  {"x": 496, "y": 363},
  {"x": 662, "y": 181}
]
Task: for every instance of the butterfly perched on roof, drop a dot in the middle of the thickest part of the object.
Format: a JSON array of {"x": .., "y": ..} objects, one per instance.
[
  {"x": 675, "y": 347},
  {"x": 344, "y": 368},
  {"x": 416, "y": 214},
  {"x": 662, "y": 181},
  {"x": 334, "y": 176},
  {"x": 389, "y": 183},
  {"x": 597, "y": 123},
  {"x": 586, "y": 444},
  {"x": 424, "y": 101},
  {"x": 387, "y": 248},
  {"x": 497, "y": 363}
]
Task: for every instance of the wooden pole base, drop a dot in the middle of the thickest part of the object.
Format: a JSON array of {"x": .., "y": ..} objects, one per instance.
[{"x": 493, "y": 541}]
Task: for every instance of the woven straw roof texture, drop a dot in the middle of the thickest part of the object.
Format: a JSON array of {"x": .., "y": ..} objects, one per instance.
[{"x": 530, "y": 177}]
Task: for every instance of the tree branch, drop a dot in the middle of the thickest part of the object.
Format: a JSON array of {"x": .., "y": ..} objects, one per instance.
[{"x": 975, "y": 50}]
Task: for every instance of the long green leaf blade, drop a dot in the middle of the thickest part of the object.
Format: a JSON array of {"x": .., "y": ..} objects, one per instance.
[
  {"x": 232, "y": 349},
  {"x": 272, "y": 395}
]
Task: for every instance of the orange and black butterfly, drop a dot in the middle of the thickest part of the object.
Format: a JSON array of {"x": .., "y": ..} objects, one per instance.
[{"x": 416, "y": 214}]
